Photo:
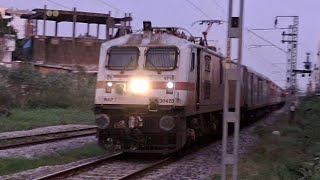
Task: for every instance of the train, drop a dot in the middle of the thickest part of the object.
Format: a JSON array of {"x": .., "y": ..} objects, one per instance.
[{"x": 159, "y": 90}]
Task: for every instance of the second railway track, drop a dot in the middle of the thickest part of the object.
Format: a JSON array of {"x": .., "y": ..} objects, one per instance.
[
  {"x": 117, "y": 166},
  {"x": 21, "y": 141}
]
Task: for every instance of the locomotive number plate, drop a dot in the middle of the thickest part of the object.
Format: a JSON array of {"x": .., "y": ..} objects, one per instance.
[
  {"x": 112, "y": 100},
  {"x": 163, "y": 101}
]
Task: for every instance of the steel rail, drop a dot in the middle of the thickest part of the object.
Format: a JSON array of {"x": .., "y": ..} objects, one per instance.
[
  {"x": 79, "y": 168},
  {"x": 45, "y": 138},
  {"x": 148, "y": 168}
]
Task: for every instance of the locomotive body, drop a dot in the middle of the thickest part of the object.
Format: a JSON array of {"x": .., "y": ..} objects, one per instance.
[{"x": 156, "y": 92}]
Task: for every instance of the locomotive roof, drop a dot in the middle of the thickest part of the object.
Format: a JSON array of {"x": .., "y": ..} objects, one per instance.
[
  {"x": 156, "y": 39},
  {"x": 164, "y": 39}
]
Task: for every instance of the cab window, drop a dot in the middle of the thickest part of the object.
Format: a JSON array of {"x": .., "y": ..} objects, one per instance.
[
  {"x": 161, "y": 59},
  {"x": 123, "y": 58}
]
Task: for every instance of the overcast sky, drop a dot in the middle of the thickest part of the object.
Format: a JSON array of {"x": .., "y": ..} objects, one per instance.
[{"x": 258, "y": 14}]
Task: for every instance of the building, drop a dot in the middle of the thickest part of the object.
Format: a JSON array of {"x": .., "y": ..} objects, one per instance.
[
  {"x": 68, "y": 53},
  {"x": 8, "y": 48},
  {"x": 18, "y": 23},
  {"x": 7, "y": 44}
]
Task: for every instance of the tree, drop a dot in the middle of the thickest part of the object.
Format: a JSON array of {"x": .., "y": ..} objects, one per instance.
[{"x": 5, "y": 29}]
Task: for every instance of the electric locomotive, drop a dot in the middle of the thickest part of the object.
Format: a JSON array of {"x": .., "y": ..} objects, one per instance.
[{"x": 159, "y": 90}]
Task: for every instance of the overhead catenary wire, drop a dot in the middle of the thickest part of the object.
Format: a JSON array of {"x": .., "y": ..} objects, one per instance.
[
  {"x": 255, "y": 34},
  {"x": 109, "y": 5},
  {"x": 58, "y": 4},
  {"x": 202, "y": 12},
  {"x": 267, "y": 41},
  {"x": 199, "y": 9},
  {"x": 250, "y": 31},
  {"x": 105, "y": 3},
  {"x": 265, "y": 59},
  {"x": 220, "y": 7},
  {"x": 273, "y": 64}
]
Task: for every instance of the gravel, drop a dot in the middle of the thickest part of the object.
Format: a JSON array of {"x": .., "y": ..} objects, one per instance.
[
  {"x": 47, "y": 148},
  {"x": 199, "y": 165},
  {"x": 41, "y": 171},
  {"x": 48, "y": 129},
  {"x": 206, "y": 162}
]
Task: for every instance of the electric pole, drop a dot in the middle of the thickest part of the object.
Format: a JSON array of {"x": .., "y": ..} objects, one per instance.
[
  {"x": 235, "y": 30},
  {"x": 291, "y": 37}
]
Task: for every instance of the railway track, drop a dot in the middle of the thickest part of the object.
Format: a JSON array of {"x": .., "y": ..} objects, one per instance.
[
  {"x": 21, "y": 141},
  {"x": 117, "y": 166}
]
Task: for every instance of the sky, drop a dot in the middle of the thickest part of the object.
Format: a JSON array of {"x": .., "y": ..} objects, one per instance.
[{"x": 258, "y": 14}]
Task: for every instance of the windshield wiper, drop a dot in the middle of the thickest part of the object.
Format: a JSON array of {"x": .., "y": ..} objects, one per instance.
[
  {"x": 155, "y": 67},
  {"x": 126, "y": 66}
]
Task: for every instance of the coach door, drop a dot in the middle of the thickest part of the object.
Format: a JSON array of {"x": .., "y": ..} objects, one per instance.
[
  {"x": 198, "y": 67},
  {"x": 251, "y": 95}
]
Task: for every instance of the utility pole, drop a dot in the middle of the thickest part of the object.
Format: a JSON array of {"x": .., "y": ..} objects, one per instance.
[
  {"x": 235, "y": 30},
  {"x": 292, "y": 40}
]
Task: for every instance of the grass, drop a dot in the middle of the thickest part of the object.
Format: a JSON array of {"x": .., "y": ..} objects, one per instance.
[
  {"x": 14, "y": 165},
  {"x": 294, "y": 154},
  {"x": 34, "y": 118}
]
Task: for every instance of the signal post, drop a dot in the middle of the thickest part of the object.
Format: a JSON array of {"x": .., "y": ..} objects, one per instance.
[{"x": 235, "y": 30}]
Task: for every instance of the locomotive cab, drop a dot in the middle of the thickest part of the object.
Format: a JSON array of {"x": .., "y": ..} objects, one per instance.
[{"x": 137, "y": 98}]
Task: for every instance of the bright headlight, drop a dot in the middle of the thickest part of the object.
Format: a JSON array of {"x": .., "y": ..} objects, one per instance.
[
  {"x": 170, "y": 85},
  {"x": 139, "y": 86}
]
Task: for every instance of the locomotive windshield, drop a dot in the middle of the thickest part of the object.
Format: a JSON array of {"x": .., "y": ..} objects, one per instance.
[
  {"x": 123, "y": 58},
  {"x": 159, "y": 59}
]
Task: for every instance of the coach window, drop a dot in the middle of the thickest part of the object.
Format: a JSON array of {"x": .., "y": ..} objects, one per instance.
[
  {"x": 207, "y": 63},
  {"x": 221, "y": 72},
  {"x": 193, "y": 58},
  {"x": 207, "y": 89}
]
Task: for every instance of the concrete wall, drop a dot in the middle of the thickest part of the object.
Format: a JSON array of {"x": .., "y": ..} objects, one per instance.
[
  {"x": 10, "y": 45},
  {"x": 48, "y": 70},
  {"x": 59, "y": 50}
]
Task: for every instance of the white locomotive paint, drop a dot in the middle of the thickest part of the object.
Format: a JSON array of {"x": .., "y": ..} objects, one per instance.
[
  {"x": 177, "y": 75},
  {"x": 183, "y": 77}
]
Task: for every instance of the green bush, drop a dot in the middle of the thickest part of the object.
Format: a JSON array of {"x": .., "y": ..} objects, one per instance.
[
  {"x": 26, "y": 88},
  {"x": 292, "y": 155}
]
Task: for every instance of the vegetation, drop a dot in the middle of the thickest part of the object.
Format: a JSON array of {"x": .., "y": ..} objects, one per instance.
[
  {"x": 14, "y": 165},
  {"x": 20, "y": 54},
  {"x": 294, "y": 154},
  {"x": 34, "y": 118},
  {"x": 36, "y": 100},
  {"x": 5, "y": 28},
  {"x": 26, "y": 88}
]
